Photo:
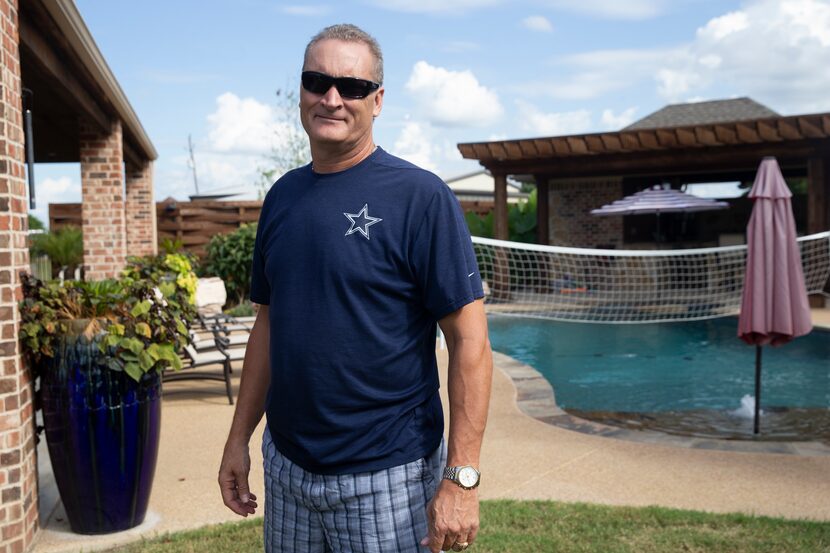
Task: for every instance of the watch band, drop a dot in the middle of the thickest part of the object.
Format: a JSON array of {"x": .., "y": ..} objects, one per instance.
[{"x": 451, "y": 473}]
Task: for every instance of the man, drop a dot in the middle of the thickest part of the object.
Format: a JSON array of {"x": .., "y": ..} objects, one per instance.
[{"x": 357, "y": 256}]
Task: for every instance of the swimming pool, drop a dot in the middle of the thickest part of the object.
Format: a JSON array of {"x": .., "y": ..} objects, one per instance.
[{"x": 685, "y": 377}]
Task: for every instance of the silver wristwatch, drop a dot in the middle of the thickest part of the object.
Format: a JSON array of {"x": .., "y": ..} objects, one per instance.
[{"x": 465, "y": 476}]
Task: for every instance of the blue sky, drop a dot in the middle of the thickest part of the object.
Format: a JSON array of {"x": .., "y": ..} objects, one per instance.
[{"x": 455, "y": 71}]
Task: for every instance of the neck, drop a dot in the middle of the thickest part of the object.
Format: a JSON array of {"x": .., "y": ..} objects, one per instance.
[{"x": 332, "y": 158}]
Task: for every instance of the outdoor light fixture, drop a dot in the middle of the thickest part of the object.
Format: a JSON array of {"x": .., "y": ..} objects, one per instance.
[{"x": 28, "y": 97}]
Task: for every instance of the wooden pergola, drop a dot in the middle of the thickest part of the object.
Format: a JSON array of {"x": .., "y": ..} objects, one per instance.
[{"x": 801, "y": 144}]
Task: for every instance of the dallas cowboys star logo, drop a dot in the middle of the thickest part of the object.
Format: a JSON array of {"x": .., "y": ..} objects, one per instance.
[{"x": 361, "y": 221}]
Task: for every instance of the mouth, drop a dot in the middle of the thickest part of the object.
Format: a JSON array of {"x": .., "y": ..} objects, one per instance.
[{"x": 327, "y": 118}]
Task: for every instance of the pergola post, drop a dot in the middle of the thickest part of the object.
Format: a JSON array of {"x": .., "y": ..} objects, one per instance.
[
  {"x": 140, "y": 211},
  {"x": 818, "y": 194},
  {"x": 102, "y": 199},
  {"x": 818, "y": 205}
]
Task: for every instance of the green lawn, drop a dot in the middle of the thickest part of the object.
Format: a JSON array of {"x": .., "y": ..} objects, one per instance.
[{"x": 566, "y": 527}]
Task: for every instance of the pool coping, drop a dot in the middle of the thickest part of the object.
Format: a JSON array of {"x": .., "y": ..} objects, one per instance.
[{"x": 535, "y": 398}]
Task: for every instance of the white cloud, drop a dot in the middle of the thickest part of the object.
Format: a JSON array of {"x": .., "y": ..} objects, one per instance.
[
  {"x": 452, "y": 98},
  {"x": 306, "y": 11},
  {"x": 613, "y": 121},
  {"x": 55, "y": 190},
  {"x": 770, "y": 50},
  {"x": 415, "y": 145},
  {"x": 612, "y": 9},
  {"x": 723, "y": 26},
  {"x": 240, "y": 133},
  {"x": 242, "y": 125},
  {"x": 532, "y": 120},
  {"x": 537, "y": 23},
  {"x": 425, "y": 146},
  {"x": 600, "y": 72},
  {"x": 434, "y": 6},
  {"x": 676, "y": 83}
]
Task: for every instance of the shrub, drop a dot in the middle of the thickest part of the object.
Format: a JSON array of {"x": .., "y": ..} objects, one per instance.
[
  {"x": 244, "y": 309},
  {"x": 229, "y": 256},
  {"x": 65, "y": 247},
  {"x": 521, "y": 221}
]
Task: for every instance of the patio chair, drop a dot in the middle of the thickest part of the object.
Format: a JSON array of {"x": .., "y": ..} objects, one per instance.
[
  {"x": 203, "y": 343},
  {"x": 223, "y": 355},
  {"x": 225, "y": 323}
]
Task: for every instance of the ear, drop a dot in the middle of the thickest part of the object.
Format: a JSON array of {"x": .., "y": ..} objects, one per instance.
[{"x": 378, "y": 102}]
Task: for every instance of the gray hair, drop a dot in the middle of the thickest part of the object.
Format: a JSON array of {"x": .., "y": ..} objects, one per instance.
[{"x": 350, "y": 33}]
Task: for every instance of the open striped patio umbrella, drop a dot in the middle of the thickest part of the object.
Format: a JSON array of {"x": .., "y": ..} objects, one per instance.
[{"x": 658, "y": 199}]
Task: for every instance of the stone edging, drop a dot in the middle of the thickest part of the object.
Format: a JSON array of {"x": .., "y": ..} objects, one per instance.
[{"x": 536, "y": 399}]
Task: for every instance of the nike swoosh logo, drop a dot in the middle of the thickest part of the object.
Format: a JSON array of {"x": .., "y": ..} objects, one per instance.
[{"x": 471, "y": 274}]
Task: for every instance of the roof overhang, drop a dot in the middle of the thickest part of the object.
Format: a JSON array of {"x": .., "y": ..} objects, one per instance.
[{"x": 60, "y": 59}]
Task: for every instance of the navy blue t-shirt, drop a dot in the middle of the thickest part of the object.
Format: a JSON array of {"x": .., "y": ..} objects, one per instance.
[{"x": 357, "y": 267}]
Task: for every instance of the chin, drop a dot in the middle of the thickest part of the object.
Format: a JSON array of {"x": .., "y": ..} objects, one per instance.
[{"x": 329, "y": 137}]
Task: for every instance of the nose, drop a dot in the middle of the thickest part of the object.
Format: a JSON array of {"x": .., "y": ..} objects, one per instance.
[{"x": 332, "y": 99}]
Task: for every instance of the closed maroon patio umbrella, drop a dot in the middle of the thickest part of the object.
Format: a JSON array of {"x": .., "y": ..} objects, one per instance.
[{"x": 774, "y": 306}]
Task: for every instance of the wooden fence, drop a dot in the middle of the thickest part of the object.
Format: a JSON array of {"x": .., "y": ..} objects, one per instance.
[{"x": 194, "y": 223}]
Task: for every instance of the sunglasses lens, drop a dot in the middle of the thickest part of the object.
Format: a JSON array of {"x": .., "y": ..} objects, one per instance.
[
  {"x": 353, "y": 88},
  {"x": 316, "y": 83},
  {"x": 347, "y": 87}
]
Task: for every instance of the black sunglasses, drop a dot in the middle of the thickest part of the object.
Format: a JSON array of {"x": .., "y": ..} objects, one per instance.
[{"x": 347, "y": 87}]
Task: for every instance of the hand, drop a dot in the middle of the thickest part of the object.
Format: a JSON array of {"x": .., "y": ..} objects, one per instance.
[
  {"x": 233, "y": 480},
  {"x": 452, "y": 517}
]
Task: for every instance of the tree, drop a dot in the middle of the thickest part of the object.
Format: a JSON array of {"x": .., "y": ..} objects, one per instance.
[{"x": 291, "y": 148}]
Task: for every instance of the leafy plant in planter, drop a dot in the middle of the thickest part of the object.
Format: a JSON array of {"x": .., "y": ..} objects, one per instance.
[
  {"x": 129, "y": 321},
  {"x": 173, "y": 275},
  {"x": 99, "y": 349}
]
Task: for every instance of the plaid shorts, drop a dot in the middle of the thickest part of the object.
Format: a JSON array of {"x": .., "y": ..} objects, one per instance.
[{"x": 367, "y": 512}]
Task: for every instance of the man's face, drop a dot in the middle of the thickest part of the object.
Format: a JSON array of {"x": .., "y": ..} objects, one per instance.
[{"x": 329, "y": 118}]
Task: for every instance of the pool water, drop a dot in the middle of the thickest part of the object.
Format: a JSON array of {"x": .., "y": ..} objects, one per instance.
[{"x": 693, "y": 378}]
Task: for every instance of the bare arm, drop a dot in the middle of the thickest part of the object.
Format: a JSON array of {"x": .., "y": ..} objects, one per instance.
[
  {"x": 453, "y": 512},
  {"x": 250, "y": 406}
]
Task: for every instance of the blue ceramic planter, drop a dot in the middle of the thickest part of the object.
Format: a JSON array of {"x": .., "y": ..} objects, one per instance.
[{"x": 102, "y": 429}]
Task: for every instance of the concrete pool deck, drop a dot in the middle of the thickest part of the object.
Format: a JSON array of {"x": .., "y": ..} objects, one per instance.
[{"x": 523, "y": 458}]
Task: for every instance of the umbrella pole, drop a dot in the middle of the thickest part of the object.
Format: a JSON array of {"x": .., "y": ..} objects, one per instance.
[{"x": 757, "y": 388}]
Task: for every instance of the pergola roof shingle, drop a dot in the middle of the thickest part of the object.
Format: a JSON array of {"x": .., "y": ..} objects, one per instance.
[{"x": 736, "y": 133}]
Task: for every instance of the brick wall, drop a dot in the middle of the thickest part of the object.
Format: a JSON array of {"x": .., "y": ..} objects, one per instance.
[
  {"x": 102, "y": 197},
  {"x": 18, "y": 463},
  {"x": 571, "y": 223},
  {"x": 140, "y": 211}
]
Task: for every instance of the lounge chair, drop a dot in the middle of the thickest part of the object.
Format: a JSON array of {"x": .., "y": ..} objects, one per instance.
[{"x": 223, "y": 355}]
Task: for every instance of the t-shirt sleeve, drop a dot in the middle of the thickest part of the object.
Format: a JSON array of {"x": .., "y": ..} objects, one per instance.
[
  {"x": 443, "y": 260},
  {"x": 260, "y": 286}
]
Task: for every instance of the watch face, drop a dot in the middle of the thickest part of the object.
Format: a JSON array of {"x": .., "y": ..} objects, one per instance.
[{"x": 467, "y": 477}]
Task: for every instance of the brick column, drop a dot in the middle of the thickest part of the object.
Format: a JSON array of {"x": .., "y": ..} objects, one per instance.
[
  {"x": 18, "y": 462},
  {"x": 102, "y": 197},
  {"x": 571, "y": 221},
  {"x": 141, "y": 211}
]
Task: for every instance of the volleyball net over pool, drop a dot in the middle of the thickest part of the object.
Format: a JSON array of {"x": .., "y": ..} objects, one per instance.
[{"x": 626, "y": 286}]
